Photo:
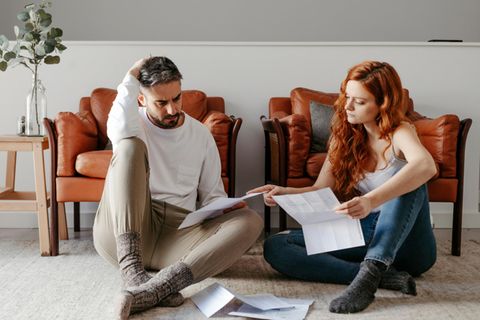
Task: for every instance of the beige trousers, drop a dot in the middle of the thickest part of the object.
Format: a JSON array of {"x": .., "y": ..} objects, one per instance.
[{"x": 127, "y": 206}]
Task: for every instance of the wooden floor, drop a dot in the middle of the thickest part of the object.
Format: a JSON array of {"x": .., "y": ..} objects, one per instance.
[{"x": 32, "y": 234}]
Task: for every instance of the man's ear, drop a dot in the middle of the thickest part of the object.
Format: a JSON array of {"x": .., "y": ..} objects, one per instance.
[{"x": 141, "y": 100}]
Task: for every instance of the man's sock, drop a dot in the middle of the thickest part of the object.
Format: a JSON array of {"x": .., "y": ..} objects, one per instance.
[
  {"x": 398, "y": 281},
  {"x": 174, "y": 300},
  {"x": 361, "y": 292},
  {"x": 169, "y": 280},
  {"x": 129, "y": 255}
]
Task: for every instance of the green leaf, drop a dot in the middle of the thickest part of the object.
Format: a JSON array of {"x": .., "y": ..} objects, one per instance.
[
  {"x": 48, "y": 48},
  {"x": 56, "y": 32},
  {"x": 61, "y": 47},
  {"x": 40, "y": 50},
  {"x": 52, "y": 60},
  {"x": 23, "y": 16},
  {"x": 45, "y": 23},
  {"x": 28, "y": 26},
  {"x": 28, "y": 36},
  {"x": 9, "y": 55},
  {"x": 3, "y": 65},
  {"x": 51, "y": 42},
  {"x": 4, "y": 42},
  {"x": 29, "y": 6},
  {"x": 1, "y": 53},
  {"x": 16, "y": 30}
]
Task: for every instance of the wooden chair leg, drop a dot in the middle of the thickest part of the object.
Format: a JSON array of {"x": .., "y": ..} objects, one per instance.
[
  {"x": 76, "y": 216},
  {"x": 282, "y": 219},
  {"x": 62, "y": 222},
  {"x": 54, "y": 227},
  {"x": 266, "y": 219},
  {"x": 457, "y": 228}
]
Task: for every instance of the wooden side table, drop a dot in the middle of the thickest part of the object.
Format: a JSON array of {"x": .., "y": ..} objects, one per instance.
[{"x": 37, "y": 201}]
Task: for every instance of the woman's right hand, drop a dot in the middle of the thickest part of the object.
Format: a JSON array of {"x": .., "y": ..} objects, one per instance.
[{"x": 269, "y": 190}]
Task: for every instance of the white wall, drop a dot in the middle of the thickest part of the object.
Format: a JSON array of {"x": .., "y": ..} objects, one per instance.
[
  {"x": 441, "y": 79},
  {"x": 258, "y": 20}
]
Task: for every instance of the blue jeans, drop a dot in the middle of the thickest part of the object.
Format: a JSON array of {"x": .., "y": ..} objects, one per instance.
[{"x": 400, "y": 235}]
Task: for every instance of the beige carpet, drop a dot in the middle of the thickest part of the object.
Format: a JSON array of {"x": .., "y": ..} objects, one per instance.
[{"x": 79, "y": 285}]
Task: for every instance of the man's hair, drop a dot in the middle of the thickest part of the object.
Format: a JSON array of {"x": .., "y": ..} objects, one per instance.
[{"x": 158, "y": 70}]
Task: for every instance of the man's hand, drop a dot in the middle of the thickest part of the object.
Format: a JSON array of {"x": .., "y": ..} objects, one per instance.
[
  {"x": 239, "y": 205},
  {"x": 135, "y": 69},
  {"x": 269, "y": 191},
  {"x": 356, "y": 208}
]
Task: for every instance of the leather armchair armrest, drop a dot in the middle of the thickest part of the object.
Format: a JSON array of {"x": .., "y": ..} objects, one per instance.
[
  {"x": 76, "y": 133},
  {"x": 220, "y": 125},
  {"x": 297, "y": 138}
]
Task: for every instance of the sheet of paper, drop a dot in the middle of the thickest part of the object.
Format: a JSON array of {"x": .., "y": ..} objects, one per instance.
[
  {"x": 213, "y": 210},
  {"x": 263, "y": 301},
  {"x": 323, "y": 229},
  {"x": 211, "y": 299},
  {"x": 298, "y": 312}
]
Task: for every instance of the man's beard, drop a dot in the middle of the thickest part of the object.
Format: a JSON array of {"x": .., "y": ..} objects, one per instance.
[{"x": 167, "y": 122}]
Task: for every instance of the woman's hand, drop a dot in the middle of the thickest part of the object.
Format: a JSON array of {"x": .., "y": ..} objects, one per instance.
[
  {"x": 269, "y": 191},
  {"x": 356, "y": 208}
]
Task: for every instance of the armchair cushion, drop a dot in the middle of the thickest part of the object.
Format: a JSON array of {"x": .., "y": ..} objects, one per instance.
[
  {"x": 77, "y": 133},
  {"x": 93, "y": 164},
  {"x": 220, "y": 125},
  {"x": 195, "y": 103},
  {"x": 439, "y": 136},
  {"x": 321, "y": 117},
  {"x": 301, "y": 97},
  {"x": 295, "y": 126},
  {"x": 315, "y": 162},
  {"x": 101, "y": 101}
]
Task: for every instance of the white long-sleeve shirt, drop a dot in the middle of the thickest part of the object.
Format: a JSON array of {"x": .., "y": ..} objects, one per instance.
[{"x": 184, "y": 161}]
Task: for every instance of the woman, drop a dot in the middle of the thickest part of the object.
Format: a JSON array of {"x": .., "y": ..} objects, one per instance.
[{"x": 376, "y": 162}]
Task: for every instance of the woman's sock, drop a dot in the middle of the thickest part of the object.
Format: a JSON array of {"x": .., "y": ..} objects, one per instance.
[
  {"x": 361, "y": 292},
  {"x": 396, "y": 280}
]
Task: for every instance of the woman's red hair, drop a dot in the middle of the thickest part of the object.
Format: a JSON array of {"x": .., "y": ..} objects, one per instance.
[{"x": 349, "y": 152}]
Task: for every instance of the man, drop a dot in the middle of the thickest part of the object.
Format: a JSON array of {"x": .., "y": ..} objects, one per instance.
[{"x": 164, "y": 165}]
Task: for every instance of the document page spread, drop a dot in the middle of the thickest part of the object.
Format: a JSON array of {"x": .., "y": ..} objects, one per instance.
[
  {"x": 323, "y": 229},
  {"x": 213, "y": 210}
]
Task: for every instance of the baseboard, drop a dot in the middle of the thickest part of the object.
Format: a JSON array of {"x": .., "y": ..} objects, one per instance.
[{"x": 28, "y": 220}]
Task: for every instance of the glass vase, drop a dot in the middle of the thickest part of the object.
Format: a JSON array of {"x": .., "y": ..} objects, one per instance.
[{"x": 36, "y": 109}]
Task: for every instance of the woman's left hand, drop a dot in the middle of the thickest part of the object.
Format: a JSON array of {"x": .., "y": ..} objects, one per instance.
[{"x": 356, "y": 208}]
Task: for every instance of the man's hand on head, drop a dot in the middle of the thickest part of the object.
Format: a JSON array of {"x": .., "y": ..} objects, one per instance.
[{"x": 135, "y": 69}]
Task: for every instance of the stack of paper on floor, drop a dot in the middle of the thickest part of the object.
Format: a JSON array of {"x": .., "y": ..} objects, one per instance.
[
  {"x": 323, "y": 229},
  {"x": 261, "y": 306}
]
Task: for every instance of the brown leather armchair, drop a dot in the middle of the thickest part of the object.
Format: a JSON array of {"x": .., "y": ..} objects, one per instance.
[
  {"x": 288, "y": 161},
  {"x": 80, "y": 161}
]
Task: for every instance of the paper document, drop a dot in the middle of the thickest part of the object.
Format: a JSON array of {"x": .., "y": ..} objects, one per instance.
[
  {"x": 213, "y": 298},
  {"x": 323, "y": 229},
  {"x": 213, "y": 210},
  {"x": 298, "y": 312}
]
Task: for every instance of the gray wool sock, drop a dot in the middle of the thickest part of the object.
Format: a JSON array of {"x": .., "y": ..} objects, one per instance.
[
  {"x": 169, "y": 280},
  {"x": 396, "y": 280},
  {"x": 361, "y": 292},
  {"x": 172, "y": 301},
  {"x": 129, "y": 255}
]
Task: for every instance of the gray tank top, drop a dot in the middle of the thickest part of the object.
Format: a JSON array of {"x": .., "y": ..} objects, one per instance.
[{"x": 373, "y": 180}]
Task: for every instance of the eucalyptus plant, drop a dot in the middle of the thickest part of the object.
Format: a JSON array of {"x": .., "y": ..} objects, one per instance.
[{"x": 36, "y": 42}]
